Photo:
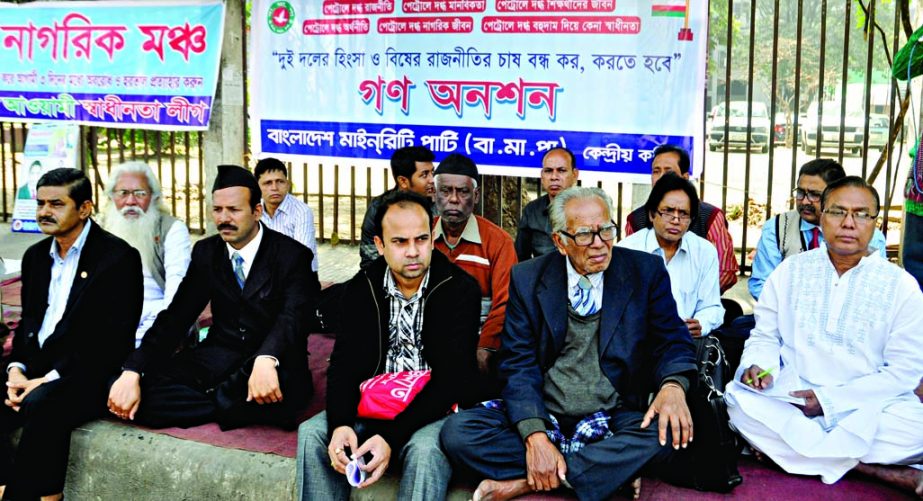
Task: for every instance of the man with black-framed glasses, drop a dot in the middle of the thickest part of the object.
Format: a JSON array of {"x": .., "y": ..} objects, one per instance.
[
  {"x": 826, "y": 380},
  {"x": 691, "y": 261},
  {"x": 796, "y": 231},
  {"x": 591, "y": 331}
]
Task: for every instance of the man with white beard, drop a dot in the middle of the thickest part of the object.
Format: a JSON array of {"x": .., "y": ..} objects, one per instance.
[{"x": 137, "y": 215}]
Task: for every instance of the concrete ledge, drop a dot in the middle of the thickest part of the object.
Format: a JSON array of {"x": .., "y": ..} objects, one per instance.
[{"x": 115, "y": 461}]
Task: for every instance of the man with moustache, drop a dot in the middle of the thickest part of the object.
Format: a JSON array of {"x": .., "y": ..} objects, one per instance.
[
  {"x": 412, "y": 170},
  {"x": 253, "y": 365},
  {"x": 559, "y": 172},
  {"x": 479, "y": 247},
  {"x": 411, "y": 310},
  {"x": 81, "y": 299},
  {"x": 136, "y": 213},
  {"x": 281, "y": 211},
  {"x": 827, "y": 377},
  {"x": 796, "y": 231}
]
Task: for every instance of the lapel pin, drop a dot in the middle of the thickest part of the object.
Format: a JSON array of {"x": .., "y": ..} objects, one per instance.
[{"x": 83, "y": 274}]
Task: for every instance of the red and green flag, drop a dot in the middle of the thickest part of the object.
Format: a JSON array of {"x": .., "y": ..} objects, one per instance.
[{"x": 671, "y": 9}]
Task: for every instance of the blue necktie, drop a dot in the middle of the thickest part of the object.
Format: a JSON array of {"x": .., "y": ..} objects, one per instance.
[
  {"x": 582, "y": 298},
  {"x": 238, "y": 269}
]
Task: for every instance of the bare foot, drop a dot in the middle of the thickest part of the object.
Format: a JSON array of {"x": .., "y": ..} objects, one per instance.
[
  {"x": 903, "y": 477},
  {"x": 496, "y": 490},
  {"x": 636, "y": 485}
]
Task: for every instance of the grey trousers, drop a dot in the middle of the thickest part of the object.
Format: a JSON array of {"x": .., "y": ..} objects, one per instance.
[{"x": 425, "y": 475}]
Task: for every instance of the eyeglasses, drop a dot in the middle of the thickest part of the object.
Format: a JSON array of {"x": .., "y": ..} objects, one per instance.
[
  {"x": 812, "y": 196},
  {"x": 680, "y": 215},
  {"x": 860, "y": 216},
  {"x": 584, "y": 238},
  {"x": 125, "y": 193}
]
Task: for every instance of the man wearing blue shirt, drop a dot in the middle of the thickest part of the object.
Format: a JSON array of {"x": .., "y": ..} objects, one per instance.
[{"x": 796, "y": 231}]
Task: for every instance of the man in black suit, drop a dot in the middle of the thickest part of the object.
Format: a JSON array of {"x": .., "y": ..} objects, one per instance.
[
  {"x": 81, "y": 297},
  {"x": 253, "y": 365}
]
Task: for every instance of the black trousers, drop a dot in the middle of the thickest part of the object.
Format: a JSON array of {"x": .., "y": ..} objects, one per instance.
[
  {"x": 178, "y": 396},
  {"x": 47, "y": 416},
  {"x": 483, "y": 441}
]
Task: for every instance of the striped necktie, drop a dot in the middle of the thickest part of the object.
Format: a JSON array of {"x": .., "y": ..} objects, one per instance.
[
  {"x": 239, "y": 269},
  {"x": 582, "y": 298}
]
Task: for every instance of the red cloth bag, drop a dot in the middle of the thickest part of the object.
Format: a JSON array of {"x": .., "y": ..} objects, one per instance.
[{"x": 387, "y": 395}]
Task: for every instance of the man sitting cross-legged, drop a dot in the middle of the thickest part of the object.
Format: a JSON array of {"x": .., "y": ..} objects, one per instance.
[
  {"x": 590, "y": 333},
  {"x": 827, "y": 377},
  {"x": 252, "y": 367}
]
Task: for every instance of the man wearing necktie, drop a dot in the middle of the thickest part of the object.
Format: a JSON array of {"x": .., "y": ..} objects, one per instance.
[
  {"x": 252, "y": 366},
  {"x": 564, "y": 420}
]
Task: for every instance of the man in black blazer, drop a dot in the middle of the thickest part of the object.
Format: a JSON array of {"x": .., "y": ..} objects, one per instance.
[
  {"x": 253, "y": 365},
  {"x": 587, "y": 303},
  {"x": 81, "y": 298}
]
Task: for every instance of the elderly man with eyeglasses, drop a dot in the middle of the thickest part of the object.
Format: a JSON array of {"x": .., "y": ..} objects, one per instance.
[
  {"x": 796, "y": 231},
  {"x": 691, "y": 261},
  {"x": 135, "y": 212},
  {"x": 591, "y": 332},
  {"x": 827, "y": 377}
]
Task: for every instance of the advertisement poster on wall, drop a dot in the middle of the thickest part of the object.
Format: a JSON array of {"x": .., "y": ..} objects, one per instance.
[{"x": 48, "y": 146}]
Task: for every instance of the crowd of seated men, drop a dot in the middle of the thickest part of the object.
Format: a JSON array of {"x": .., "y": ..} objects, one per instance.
[{"x": 556, "y": 360}]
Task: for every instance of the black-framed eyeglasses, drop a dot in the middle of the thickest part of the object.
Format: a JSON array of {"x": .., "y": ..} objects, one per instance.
[
  {"x": 679, "y": 215},
  {"x": 860, "y": 216},
  {"x": 584, "y": 238},
  {"x": 812, "y": 196}
]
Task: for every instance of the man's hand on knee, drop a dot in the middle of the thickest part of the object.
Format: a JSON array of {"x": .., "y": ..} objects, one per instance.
[
  {"x": 670, "y": 405},
  {"x": 125, "y": 395},
  {"x": 545, "y": 466},
  {"x": 263, "y": 385},
  {"x": 14, "y": 375},
  {"x": 19, "y": 389}
]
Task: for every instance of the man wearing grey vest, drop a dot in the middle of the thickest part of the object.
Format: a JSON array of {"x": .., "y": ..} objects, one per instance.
[{"x": 136, "y": 213}]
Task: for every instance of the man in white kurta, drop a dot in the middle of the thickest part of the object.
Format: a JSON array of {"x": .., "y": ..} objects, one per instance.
[{"x": 852, "y": 335}]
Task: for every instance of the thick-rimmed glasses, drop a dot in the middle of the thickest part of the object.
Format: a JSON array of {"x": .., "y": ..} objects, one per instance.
[
  {"x": 669, "y": 215},
  {"x": 584, "y": 238},
  {"x": 860, "y": 216},
  {"x": 812, "y": 196}
]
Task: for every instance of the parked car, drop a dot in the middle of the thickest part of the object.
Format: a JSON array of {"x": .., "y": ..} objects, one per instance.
[
  {"x": 737, "y": 126},
  {"x": 853, "y": 129},
  {"x": 878, "y": 131},
  {"x": 781, "y": 129}
]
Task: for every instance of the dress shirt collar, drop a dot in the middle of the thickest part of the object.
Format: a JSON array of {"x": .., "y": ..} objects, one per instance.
[
  {"x": 471, "y": 232},
  {"x": 596, "y": 279},
  {"x": 248, "y": 252},
  {"x": 393, "y": 291},
  {"x": 806, "y": 226},
  {"x": 74, "y": 249},
  {"x": 653, "y": 246}
]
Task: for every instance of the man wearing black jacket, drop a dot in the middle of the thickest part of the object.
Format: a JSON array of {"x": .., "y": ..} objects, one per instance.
[
  {"x": 411, "y": 309},
  {"x": 253, "y": 366},
  {"x": 81, "y": 301}
]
